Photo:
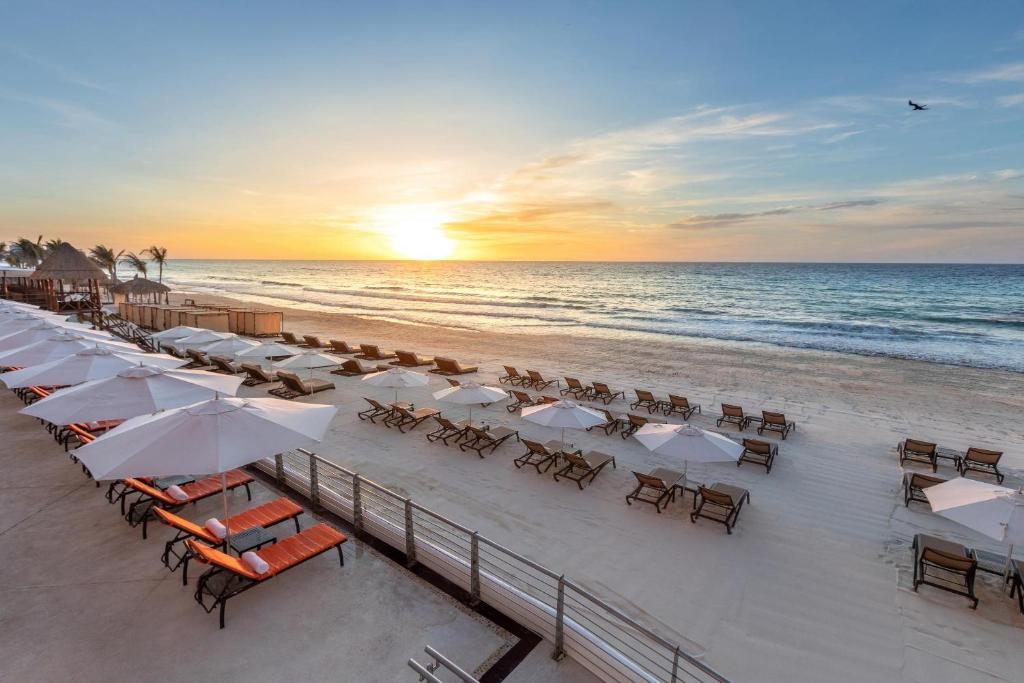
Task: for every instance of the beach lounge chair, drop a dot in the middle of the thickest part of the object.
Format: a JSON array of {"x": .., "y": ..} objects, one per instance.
[
  {"x": 373, "y": 352},
  {"x": 679, "y": 405},
  {"x": 919, "y": 451},
  {"x": 408, "y": 359},
  {"x": 446, "y": 429},
  {"x": 733, "y": 415},
  {"x": 584, "y": 467},
  {"x": 450, "y": 366},
  {"x": 981, "y": 460},
  {"x": 576, "y": 389},
  {"x": 313, "y": 342},
  {"x": 354, "y": 368},
  {"x": 293, "y": 387},
  {"x": 758, "y": 452},
  {"x": 225, "y": 366},
  {"x": 404, "y": 418},
  {"x": 229, "y": 576},
  {"x": 945, "y": 565},
  {"x": 775, "y": 422},
  {"x": 291, "y": 338},
  {"x": 720, "y": 503},
  {"x": 914, "y": 484},
  {"x": 172, "y": 351},
  {"x": 537, "y": 381},
  {"x": 657, "y": 487},
  {"x": 601, "y": 392},
  {"x": 198, "y": 360},
  {"x": 512, "y": 376},
  {"x": 645, "y": 399},
  {"x": 479, "y": 439},
  {"x": 256, "y": 375},
  {"x": 1017, "y": 579},
  {"x": 265, "y": 515},
  {"x": 612, "y": 422},
  {"x": 342, "y": 347},
  {"x": 635, "y": 422},
  {"x": 376, "y": 409},
  {"x": 539, "y": 455},
  {"x": 140, "y": 511},
  {"x": 521, "y": 400}
]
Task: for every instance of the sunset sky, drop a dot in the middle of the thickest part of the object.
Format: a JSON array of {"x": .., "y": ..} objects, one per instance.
[{"x": 548, "y": 131}]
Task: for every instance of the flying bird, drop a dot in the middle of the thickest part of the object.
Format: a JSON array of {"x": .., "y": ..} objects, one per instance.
[{"x": 916, "y": 106}]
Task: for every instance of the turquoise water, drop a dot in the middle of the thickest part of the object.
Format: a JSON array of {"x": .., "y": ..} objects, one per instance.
[{"x": 959, "y": 314}]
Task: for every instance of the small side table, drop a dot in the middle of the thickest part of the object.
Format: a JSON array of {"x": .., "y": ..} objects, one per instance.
[{"x": 251, "y": 539}]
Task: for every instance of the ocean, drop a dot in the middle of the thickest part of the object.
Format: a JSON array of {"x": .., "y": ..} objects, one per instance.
[{"x": 970, "y": 315}]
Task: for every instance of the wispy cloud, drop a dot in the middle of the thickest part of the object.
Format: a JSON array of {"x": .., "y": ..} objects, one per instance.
[
  {"x": 68, "y": 114},
  {"x": 60, "y": 71},
  {"x": 839, "y": 137},
  {"x": 1011, "y": 100},
  {"x": 1009, "y": 72},
  {"x": 703, "y": 222}
]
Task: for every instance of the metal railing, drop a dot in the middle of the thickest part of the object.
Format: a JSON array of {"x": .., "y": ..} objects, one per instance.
[
  {"x": 426, "y": 671},
  {"x": 607, "y": 642}
]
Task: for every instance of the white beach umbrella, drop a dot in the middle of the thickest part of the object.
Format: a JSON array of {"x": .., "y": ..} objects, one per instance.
[
  {"x": 201, "y": 338},
  {"x": 42, "y": 329},
  {"x": 84, "y": 366},
  {"x": 131, "y": 392},
  {"x": 57, "y": 345},
  {"x": 215, "y": 435},
  {"x": 268, "y": 350},
  {"x": 996, "y": 511},
  {"x": 176, "y": 333},
  {"x": 564, "y": 414},
  {"x": 688, "y": 443},
  {"x": 308, "y": 360},
  {"x": 396, "y": 378},
  {"x": 230, "y": 346},
  {"x": 470, "y": 394}
]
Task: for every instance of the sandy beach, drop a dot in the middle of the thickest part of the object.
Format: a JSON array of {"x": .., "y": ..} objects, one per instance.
[{"x": 815, "y": 582}]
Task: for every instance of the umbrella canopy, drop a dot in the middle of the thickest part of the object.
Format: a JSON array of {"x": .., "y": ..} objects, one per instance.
[
  {"x": 564, "y": 415},
  {"x": 309, "y": 360},
  {"x": 56, "y": 346},
  {"x": 43, "y": 329},
  {"x": 469, "y": 394},
  {"x": 131, "y": 392},
  {"x": 176, "y": 333},
  {"x": 215, "y": 435},
  {"x": 201, "y": 338},
  {"x": 84, "y": 366},
  {"x": 396, "y": 378},
  {"x": 230, "y": 346},
  {"x": 139, "y": 286},
  {"x": 996, "y": 511},
  {"x": 268, "y": 350},
  {"x": 688, "y": 443}
]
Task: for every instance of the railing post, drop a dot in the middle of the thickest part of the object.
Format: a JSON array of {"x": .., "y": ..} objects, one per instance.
[
  {"x": 474, "y": 569},
  {"x": 675, "y": 665},
  {"x": 410, "y": 536},
  {"x": 279, "y": 468},
  {"x": 357, "y": 504},
  {"x": 314, "y": 483},
  {"x": 559, "y": 652}
]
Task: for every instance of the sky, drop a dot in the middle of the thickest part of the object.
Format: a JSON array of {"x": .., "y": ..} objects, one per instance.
[{"x": 691, "y": 131}]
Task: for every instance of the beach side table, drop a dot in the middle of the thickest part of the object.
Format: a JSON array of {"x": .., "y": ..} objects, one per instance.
[{"x": 251, "y": 539}]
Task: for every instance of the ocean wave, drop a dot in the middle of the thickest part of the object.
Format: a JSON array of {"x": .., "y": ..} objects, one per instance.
[
  {"x": 458, "y": 300},
  {"x": 278, "y": 283}
]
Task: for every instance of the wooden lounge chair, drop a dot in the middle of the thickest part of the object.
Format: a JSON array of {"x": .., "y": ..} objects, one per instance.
[
  {"x": 602, "y": 393},
  {"x": 293, "y": 387},
  {"x": 479, "y": 439},
  {"x": 354, "y": 368},
  {"x": 233, "y": 576},
  {"x": 373, "y": 352},
  {"x": 758, "y": 452},
  {"x": 140, "y": 511},
  {"x": 645, "y": 399},
  {"x": 404, "y": 418},
  {"x": 919, "y": 451},
  {"x": 537, "y": 381},
  {"x": 775, "y": 422},
  {"x": 512, "y": 376},
  {"x": 981, "y": 460},
  {"x": 945, "y": 565},
  {"x": 584, "y": 467},
  {"x": 720, "y": 503},
  {"x": 198, "y": 360},
  {"x": 576, "y": 389},
  {"x": 657, "y": 488},
  {"x": 291, "y": 338},
  {"x": 342, "y": 347},
  {"x": 521, "y": 400},
  {"x": 733, "y": 415},
  {"x": 539, "y": 455},
  {"x": 914, "y": 484},
  {"x": 376, "y": 409},
  {"x": 612, "y": 423},
  {"x": 256, "y": 375},
  {"x": 409, "y": 359},
  {"x": 264, "y": 515},
  {"x": 450, "y": 366},
  {"x": 313, "y": 342},
  {"x": 446, "y": 429},
  {"x": 679, "y": 405},
  {"x": 225, "y": 366},
  {"x": 635, "y": 422}
]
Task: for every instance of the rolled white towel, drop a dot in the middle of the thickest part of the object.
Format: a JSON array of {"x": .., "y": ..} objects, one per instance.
[
  {"x": 255, "y": 562},
  {"x": 177, "y": 493},
  {"x": 214, "y": 526}
]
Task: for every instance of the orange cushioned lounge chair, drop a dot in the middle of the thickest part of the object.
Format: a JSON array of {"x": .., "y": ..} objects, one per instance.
[
  {"x": 410, "y": 359},
  {"x": 141, "y": 510},
  {"x": 229, "y": 576}
]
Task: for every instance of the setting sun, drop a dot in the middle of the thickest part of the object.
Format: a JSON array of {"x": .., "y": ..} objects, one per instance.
[{"x": 416, "y": 232}]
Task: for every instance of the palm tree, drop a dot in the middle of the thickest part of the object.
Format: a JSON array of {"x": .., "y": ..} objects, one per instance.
[
  {"x": 51, "y": 245},
  {"x": 26, "y": 252},
  {"x": 157, "y": 255},
  {"x": 136, "y": 262},
  {"x": 106, "y": 258}
]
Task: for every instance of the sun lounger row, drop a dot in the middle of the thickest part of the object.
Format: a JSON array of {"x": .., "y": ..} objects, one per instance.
[
  {"x": 372, "y": 352},
  {"x": 719, "y": 502},
  {"x": 972, "y": 460}
]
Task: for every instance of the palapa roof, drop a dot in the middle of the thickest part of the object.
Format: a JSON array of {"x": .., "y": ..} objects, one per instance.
[
  {"x": 68, "y": 264},
  {"x": 140, "y": 285}
]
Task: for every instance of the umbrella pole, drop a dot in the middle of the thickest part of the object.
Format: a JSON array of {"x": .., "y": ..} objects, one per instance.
[
  {"x": 471, "y": 415},
  {"x": 224, "y": 493},
  {"x": 1009, "y": 562}
]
